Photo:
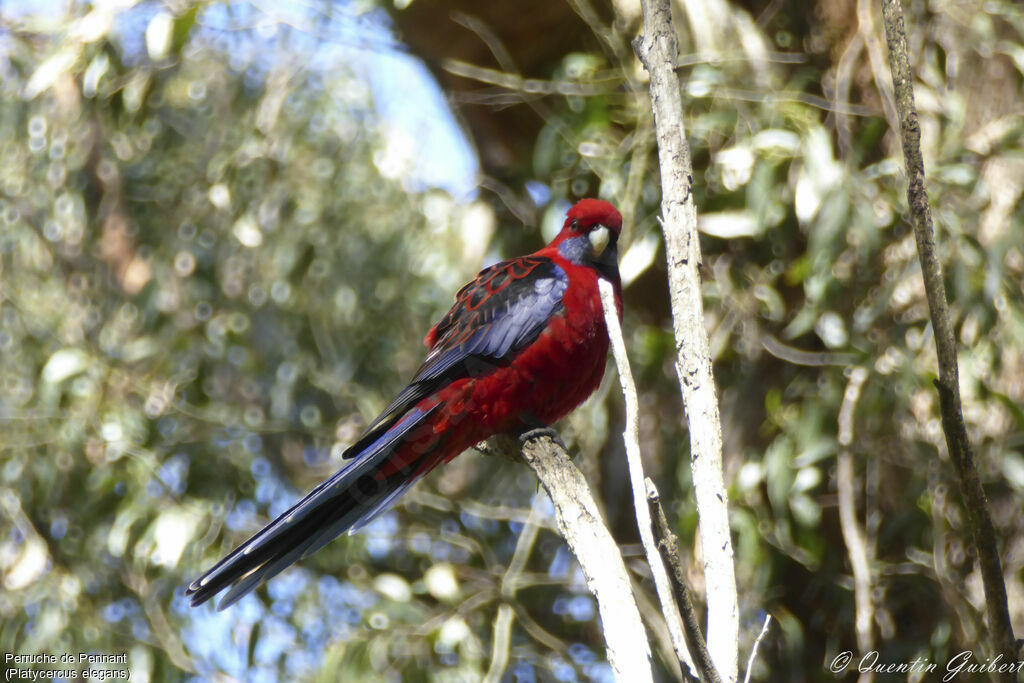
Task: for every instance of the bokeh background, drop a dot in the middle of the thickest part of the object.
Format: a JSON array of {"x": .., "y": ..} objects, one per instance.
[{"x": 226, "y": 226}]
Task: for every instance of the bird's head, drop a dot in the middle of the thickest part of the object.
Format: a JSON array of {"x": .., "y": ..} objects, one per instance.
[{"x": 590, "y": 236}]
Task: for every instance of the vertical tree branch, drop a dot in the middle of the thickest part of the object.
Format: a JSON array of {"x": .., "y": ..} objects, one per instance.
[
  {"x": 662, "y": 584},
  {"x": 658, "y": 51},
  {"x": 948, "y": 384}
]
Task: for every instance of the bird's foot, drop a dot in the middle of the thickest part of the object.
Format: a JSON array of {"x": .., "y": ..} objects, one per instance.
[{"x": 538, "y": 432}]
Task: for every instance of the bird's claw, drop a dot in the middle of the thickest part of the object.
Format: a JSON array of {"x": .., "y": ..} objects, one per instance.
[{"x": 538, "y": 432}]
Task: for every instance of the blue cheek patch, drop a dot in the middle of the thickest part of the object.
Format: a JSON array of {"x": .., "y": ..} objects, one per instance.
[{"x": 575, "y": 249}]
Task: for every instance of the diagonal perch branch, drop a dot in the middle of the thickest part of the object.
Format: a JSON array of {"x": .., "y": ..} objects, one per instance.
[{"x": 588, "y": 538}]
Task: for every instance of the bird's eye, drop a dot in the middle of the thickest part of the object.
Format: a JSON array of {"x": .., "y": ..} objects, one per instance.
[{"x": 575, "y": 224}]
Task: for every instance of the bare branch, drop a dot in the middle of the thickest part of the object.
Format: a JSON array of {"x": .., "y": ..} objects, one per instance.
[
  {"x": 527, "y": 86},
  {"x": 856, "y": 546},
  {"x": 756, "y": 645},
  {"x": 948, "y": 384},
  {"x": 500, "y": 643},
  {"x": 669, "y": 547},
  {"x": 796, "y": 356},
  {"x": 166, "y": 634},
  {"x": 580, "y": 524},
  {"x": 509, "y": 583},
  {"x": 662, "y": 583},
  {"x": 658, "y": 51}
]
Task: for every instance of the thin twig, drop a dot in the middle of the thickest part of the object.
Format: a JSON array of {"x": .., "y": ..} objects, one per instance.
[
  {"x": 524, "y": 546},
  {"x": 509, "y": 583},
  {"x": 867, "y": 25},
  {"x": 856, "y": 546},
  {"x": 540, "y": 634},
  {"x": 504, "y": 58},
  {"x": 843, "y": 85},
  {"x": 778, "y": 96},
  {"x": 796, "y": 356},
  {"x": 756, "y": 646},
  {"x": 948, "y": 384},
  {"x": 659, "y": 53},
  {"x": 662, "y": 583},
  {"x": 502, "y": 513},
  {"x": 500, "y": 643},
  {"x": 614, "y": 45},
  {"x": 668, "y": 545},
  {"x": 642, "y": 143},
  {"x": 152, "y": 607},
  {"x": 527, "y": 86}
]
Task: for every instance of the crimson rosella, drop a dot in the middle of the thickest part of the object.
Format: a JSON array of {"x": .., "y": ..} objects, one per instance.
[{"x": 524, "y": 344}]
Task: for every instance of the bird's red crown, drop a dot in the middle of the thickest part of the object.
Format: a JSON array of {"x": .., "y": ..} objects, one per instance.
[{"x": 590, "y": 212}]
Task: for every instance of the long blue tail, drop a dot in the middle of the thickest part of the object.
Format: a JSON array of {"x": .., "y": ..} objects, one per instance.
[{"x": 345, "y": 502}]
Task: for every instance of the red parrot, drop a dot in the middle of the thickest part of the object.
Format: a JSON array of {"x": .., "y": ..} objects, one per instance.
[{"x": 524, "y": 344}]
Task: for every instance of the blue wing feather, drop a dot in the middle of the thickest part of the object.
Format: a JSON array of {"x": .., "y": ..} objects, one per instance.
[
  {"x": 502, "y": 311},
  {"x": 495, "y": 316}
]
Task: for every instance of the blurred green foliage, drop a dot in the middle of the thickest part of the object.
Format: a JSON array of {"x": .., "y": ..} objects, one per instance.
[
  {"x": 203, "y": 270},
  {"x": 212, "y": 274}
]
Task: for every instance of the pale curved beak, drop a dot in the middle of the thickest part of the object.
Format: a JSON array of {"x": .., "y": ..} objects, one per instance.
[{"x": 599, "y": 238}]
